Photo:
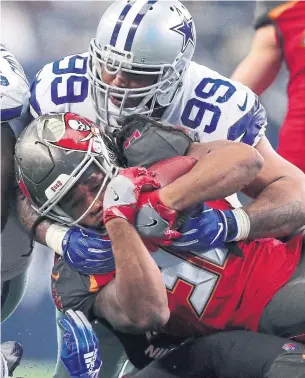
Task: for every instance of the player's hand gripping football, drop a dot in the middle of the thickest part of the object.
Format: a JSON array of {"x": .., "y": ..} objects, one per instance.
[
  {"x": 123, "y": 191},
  {"x": 205, "y": 228},
  {"x": 154, "y": 220}
]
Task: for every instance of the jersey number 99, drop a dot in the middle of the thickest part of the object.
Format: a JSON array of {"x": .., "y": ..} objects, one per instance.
[
  {"x": 75, "y": 86},
  {"x": 195, "y": 108}
]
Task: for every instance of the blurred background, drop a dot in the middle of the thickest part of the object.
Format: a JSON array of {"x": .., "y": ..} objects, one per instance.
[{"x": 40, "y": 32}]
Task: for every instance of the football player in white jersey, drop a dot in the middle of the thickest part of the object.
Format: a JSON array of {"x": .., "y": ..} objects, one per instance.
[
  {"x": 15, "y": 242},
  {"x": 140, "y": 61}
]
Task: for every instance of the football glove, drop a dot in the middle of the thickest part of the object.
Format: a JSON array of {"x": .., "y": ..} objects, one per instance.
[
  {"x": 122, "y": 193},
  {"x": 87, "y": 251},
  {"x": 80, "y": 348},
  {"x": 154, "y": 220},
  {"x": 209, "y": 228}
]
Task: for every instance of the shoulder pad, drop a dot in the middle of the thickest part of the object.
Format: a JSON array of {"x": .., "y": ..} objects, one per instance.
[
  {"x": 144, "y": 142},
  {"x": 14, "y": 87},
  {"x": 53, "y": 86},
  {"x": 216, "y": 107}
]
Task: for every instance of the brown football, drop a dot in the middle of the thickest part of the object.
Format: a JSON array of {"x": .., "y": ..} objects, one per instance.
[{"x": 169, "y": 170}]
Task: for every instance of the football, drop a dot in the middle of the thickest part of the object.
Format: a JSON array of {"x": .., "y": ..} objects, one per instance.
[{"x": 169, "y": 170}]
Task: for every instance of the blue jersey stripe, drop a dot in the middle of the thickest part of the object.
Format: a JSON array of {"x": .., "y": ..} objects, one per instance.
[
  {"x": 258, "y": 122},
  {"x": 118, "y": 25},
  {"x": 8, "y": 114},
  {"x": 248, "y": 127},
  {"x": 136, "y": 23}
]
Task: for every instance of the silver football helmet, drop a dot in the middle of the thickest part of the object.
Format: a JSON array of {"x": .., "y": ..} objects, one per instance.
[
  {"x": 53, "y": 153},
  {"x": 140, "y": 37}
]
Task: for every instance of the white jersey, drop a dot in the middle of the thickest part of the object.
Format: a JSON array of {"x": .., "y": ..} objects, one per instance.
[
  {"x": 215, "y": 107},
  {"x": 208, "y": 103},
  {"x": 15, "y": 93},
  {"x": 14, "y": 110},
  {"x": 62, "y": 86}
]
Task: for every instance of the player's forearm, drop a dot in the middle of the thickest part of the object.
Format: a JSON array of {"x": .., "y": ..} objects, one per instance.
[
  {"x": 218, "y": 174},
  {"x": 279, "y": 210},
  {"x": 28, "y": 216},
  {"x": 261, "y": 66},
  {"x": 256, "y": 73},
  {"x": 140, "y": 290}
]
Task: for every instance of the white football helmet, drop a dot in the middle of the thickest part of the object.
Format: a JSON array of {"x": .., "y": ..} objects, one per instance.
[{"x": 153, "y": 37}]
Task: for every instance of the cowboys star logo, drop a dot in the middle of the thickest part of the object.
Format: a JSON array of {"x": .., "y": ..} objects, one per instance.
[{"x": 185, "y": 28}]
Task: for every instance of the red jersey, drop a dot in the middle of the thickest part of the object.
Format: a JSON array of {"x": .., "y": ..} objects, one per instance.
[
  {"x": 289, "y": 20},
  {"x": 215, "y": 289}
]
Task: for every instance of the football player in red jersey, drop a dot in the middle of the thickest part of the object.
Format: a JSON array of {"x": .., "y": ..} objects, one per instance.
[
  {"x": 251, "y": 285},
  {"x": 279, "y": 38}
]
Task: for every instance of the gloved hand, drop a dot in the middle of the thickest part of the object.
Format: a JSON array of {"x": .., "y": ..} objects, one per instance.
[
  {"x": 154, "y": 220},
  {"x": 88, "y": 252},
  {"x": 122, "y": 193},
  {"x": 80, "y": 351},
  {"x": 206, "y": 228},
  {"x": 85, "y": 250}
]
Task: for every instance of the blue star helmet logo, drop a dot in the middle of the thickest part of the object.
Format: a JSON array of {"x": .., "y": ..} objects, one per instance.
[{"x": 185, "y": 28}]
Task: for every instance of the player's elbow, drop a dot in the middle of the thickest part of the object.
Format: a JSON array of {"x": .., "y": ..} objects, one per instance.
[
  {"x": 256, "y": 160},
  {"x": 152, "y": 320},
  {"x": 250, "y": 160},
  {"x": 146, "y": 322}
]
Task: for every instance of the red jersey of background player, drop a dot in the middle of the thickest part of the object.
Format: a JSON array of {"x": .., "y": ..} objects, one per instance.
[
  {"x": 289, "y": 21},
  {"x": 216, "y": 289}
]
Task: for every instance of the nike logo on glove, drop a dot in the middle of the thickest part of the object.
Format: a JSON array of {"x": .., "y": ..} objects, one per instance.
[
  {"x": 244, "y": 105},
  {"x": 221, "y": 227},
  {"x": 154, "y": 222},
  {"x": 115, "y": 195}
]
